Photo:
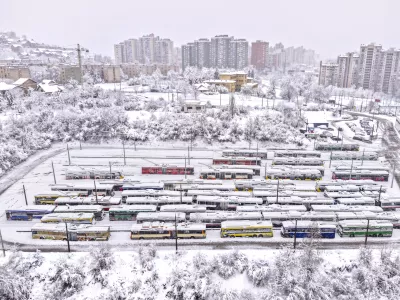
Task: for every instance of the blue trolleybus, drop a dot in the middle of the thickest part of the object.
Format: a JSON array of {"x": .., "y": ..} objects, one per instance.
[{"x": 308, "y": 229}]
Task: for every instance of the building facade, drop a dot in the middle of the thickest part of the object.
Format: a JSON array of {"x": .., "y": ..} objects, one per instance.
[
  {"x": 111, "y": 74},
  {"x": 368, "y": 67},
  {"x": 70, "y": 73},
  {"x": 347, "y": 70},
  {"x": 259, "y": 54},
  {"x": 328, "y": 73},
  {"x": 14, "y": 72},
  {"x": 134, "y": 70},
  {"x": 238, "y": 54}
]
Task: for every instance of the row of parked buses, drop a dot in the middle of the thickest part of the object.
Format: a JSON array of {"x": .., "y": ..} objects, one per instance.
[
  {"x": 231, "y": 229},
  {"x": 337, "y": 146},
  {"x": 168, "y": 170},
  {"x": 347, "y": 155}
]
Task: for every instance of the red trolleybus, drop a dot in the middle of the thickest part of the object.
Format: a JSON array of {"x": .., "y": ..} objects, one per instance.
[{"x": 168, "y": 170}]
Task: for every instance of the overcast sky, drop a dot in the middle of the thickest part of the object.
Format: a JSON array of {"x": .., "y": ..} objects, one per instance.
[{"x": 330, "y": 27}]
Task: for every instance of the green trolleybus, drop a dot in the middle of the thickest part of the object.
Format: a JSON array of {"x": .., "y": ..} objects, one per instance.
[{"x": 353, "y": 228}]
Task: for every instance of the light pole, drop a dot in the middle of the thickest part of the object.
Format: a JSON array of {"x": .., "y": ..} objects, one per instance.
[
  {"x": 295, "y": 234},
  {"x": 366, "y": 234}
]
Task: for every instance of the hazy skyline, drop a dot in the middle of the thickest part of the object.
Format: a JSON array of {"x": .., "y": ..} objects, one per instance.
[{"x": 328, "y": 27}]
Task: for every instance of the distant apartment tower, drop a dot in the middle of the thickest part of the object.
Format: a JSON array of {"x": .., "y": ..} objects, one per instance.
[
  {"x": 164, "y": 51},
  {"x": 368, "y": 66},
  {"x": 131, "y": 50},
  {"x": 238, "y": 54},
  {"x": 147, "y": 48},
  {"x": 119, "y": 53},
  {"x": 188, "y": 55},
  {"x": 259, "y": 54},
  {"x": 388, "y": 70},
  {"x": 328, "y": 73},
  {"x": 347, "y": 70},
  {"x": 220, "y": 51},
  {"x": 202, "y": 49}
]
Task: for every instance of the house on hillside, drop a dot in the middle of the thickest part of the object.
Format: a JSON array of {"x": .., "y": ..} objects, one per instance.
[
  {"x": 202, "y": 87},
  {"x": 5, "y": 88},
  {"x": 26, "y": 84}
]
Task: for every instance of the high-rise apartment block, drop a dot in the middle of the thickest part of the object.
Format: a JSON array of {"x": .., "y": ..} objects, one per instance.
[
  {"x": 372, "y": 68},
  {"x": 259, "y": 54},
  {"x": 147, "y": 49},
  {"x": 328, "y": 73},
  {"x": 222, "y": 51}
]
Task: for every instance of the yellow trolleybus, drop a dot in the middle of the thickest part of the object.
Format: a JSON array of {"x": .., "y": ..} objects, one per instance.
[
  {"x": 81, "y": 232},
  {"x": 246, "y": 229}
]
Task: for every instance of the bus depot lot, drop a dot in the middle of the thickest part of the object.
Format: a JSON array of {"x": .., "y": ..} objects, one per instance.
[{"x": 39, "y": 179}]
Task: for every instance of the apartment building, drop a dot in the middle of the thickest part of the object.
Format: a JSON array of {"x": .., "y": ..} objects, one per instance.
[
  {"x": 111, "y": 74},
  {"x": 14, "y": 72},
  {"x": 134, "y": 70},
  {"x": 202, "y": 49},
  {"x": 368, "y": 67},
  {"x": 119, "y": 53},
  {"x": 164, "y": 51},
  {"x": 147, "y": 49},
  {"x": 188, "y": 56},
  {"x": 238, "y": 57},
  {"x": 328, "y": 73},
  {"x": 388, "y": 69},
  {"x": 347, "y": 70},
  {"x": 70, "y": 73},
  {"x": 259, "y": 54},
  {"x": 220, "y": 51}
]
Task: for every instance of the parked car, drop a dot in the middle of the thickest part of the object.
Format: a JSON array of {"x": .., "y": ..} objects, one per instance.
[
  {"x": 335, "y": 138},
  {"x": 358, "y": 137}
]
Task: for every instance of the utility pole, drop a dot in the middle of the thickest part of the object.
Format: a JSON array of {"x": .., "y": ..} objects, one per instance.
[
  {"x": 181, "y": 192},
  {"x": 185, "y": 167},
  {"x": 265, "y": 171},
  {"x": 95, "y": 190},
  {"x": 257, "y": 152},
  {"x": 54, "y": 174},
  {"x": 189, "y": 155},
  {"x": 295, "y": 234},
  {"x": 379, "y": 197},
  {"x": 80, "y": 145},
  {"x": 330, "y": 159},
  {"x": 123, "y": 147},
  {"x": 67, "y": 233},
  {"x": 69, "y": 157},
  {"x": 176, "y": 236},
  {"x": 26, "y": 200},
  {"x": 277, "y": 192},
  {"x": 2, "y": 245},
  {"x": 362, "y": 159},
  {"x": 110, "y": 167},
  {"x": 351, "y": 168},
  {"x": 394, "y": 171},
  {"x": 366, "y": 234}
]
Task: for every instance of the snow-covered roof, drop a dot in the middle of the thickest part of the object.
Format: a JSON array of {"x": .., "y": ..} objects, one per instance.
[
  {"x": 50, "y": 88},
  {"x": 219, "y": 81},
  {"x": 21, "y": 81},
  {"x": 195, "y": 102},
  {"x": 6, "y": 87}
]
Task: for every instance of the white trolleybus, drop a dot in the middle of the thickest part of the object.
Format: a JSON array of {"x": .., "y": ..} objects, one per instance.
[
  {"x": 226, "y": 174},
  {"x": 226, "y": 203},
  {"x": 148, "y": 193},
  {"x": 160, "y": 201},
  {"x": 263, "y": 154},
  {"x": 288, "y": 161},
  {"x": 351, "y": 155},
  {"x": 214, "y": 219},
  {"x": 75, "y": 218},
  {"x": 321, "y": 185},
  {"x": 96, "y": 210},
  {"x": 143, "y": 217},
  {"x": 296, "y": 153},
  {"x": 293, "y": 174},
  {"x": 157, "y": 230}
]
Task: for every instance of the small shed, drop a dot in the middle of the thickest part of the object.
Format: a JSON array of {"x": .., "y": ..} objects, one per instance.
[
  {"x": 26, "y": 84},
  {"x": 191, "y": 106}
]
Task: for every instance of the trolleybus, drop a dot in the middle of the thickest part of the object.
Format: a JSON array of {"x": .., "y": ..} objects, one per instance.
[
  {"x": 129, "y": 212},
  {"x": 354, "y": 228},
  {"x": 308, "y": 229},
  {"x": 158, "y": 230},
  {"x": 75, "y": 232},
  {"x": 246, "y": 229},
  {"x": 28, "y": 213}
]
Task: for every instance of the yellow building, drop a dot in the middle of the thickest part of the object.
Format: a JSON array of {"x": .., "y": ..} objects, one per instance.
[
  {"x": 240, "y": 78},
  {"x": 229, "y": 84}
]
